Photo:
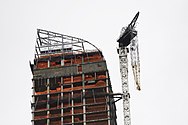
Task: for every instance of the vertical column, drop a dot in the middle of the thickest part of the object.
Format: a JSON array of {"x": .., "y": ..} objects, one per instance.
[
  {"x": 84, "y": 102},
  {"x": 95, "y": 77},
  {"x": 62, "y": 45},
  {"x": 83, "y": 92},
  {"x": 108, "y": 98},
  {"x": 72, "y": 103},
  {"x": 48, "y": 63},
  {"x": 33, "y": 100},
  {"x": 48, "y": 97},
  {"x": 61, "y": 100},
  {"x": 62, "y": 62}
]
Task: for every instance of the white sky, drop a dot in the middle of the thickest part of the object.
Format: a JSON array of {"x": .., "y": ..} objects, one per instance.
[{"x": 162, "y": 33}]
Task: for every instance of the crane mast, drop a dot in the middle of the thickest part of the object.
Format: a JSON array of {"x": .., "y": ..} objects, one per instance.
[
  {"x": 125, "y": 89},
  {"x": 128, "y": 36}
]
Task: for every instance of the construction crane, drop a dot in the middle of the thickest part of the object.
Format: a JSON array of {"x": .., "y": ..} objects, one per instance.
[{"x": 128, "y": 37}]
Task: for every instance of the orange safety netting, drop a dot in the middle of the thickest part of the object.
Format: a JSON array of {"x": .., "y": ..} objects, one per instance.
[
  {"x": 89, "y": 77},
  {"x": 77, "y": 60},
  {"x": 94, "y": 107},
  {"x": 55, "y": 122},
  {"x": 55, "y": 115},
  {"x": 67, "y": 80},
  {"x": 101, "y": 83},
  {"x": 67, "y": 120},
  {"x": 98, "y": 84},
  {"x": 77, "y": 111},
  {"x": 40, "y": 117},
  {"x": 77, "y": 79},
  {"x": 41, "y": 65},
  {"x": 101, "y": 77},
  {"x": 96, "y": 116}
]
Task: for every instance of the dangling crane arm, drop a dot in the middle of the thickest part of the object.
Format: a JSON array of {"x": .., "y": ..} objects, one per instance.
[{"x": 135, "y": 62}]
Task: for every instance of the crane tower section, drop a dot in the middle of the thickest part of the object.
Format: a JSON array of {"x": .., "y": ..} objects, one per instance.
[{"x": 128, "y": 36}]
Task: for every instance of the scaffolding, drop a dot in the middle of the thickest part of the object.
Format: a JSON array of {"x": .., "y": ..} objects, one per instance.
[{"x": 71, "y": 85}]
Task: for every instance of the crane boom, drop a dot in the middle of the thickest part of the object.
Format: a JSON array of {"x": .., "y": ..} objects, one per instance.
[
  {"x": 128, "y": 36},
  {"x": 135, "y": 62}
]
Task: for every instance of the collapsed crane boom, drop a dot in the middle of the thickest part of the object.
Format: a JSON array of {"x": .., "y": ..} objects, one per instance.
[
  {"x": 135, "y": 61},
  {"x": 128, "y": 36}
]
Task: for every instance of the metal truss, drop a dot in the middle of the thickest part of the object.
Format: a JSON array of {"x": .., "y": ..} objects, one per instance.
[
  {"x": 49, "y": 43},
  {"x": 125, "y": 88}
]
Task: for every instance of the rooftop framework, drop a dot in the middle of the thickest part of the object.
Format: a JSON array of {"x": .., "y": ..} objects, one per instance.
[{"x": 51, "y": 43}]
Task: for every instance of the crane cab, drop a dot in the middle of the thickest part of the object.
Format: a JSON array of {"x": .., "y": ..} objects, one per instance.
[{"x": 126, "y": 37}]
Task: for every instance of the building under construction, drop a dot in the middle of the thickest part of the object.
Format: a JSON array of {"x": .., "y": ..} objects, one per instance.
[{"x": 71, "y": 83}]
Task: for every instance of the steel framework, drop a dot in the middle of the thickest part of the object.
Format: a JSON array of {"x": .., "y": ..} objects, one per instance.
[
  {"x": 50, "y": 43},
  {"x": 71, "y": 83}
]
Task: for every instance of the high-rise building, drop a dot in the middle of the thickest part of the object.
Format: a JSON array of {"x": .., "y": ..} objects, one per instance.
[{"x": 71, "y": 83}]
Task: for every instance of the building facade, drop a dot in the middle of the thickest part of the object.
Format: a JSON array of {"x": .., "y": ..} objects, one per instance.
[{"x": 71, "y": 83}]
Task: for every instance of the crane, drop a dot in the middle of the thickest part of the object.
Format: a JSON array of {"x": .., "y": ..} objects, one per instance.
[{"x": 128, "y": 37}]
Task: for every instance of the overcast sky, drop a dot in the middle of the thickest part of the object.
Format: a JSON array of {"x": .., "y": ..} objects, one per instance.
[{"x": 162, "y": 34}]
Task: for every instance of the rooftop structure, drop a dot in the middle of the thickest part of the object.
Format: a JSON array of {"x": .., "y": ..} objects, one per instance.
[{"x": 71, "y": 83}]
